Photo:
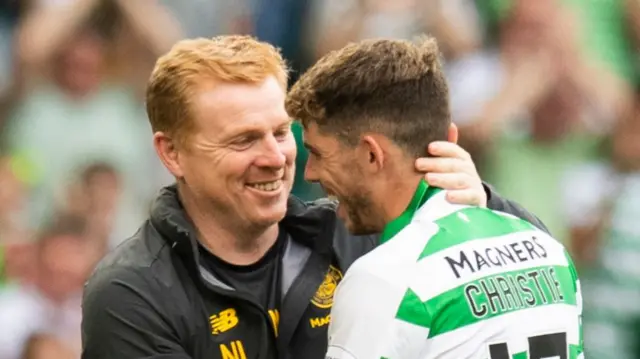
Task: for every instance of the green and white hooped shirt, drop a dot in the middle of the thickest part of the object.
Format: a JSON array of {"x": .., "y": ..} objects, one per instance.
[{"x": 456, "y": 282}]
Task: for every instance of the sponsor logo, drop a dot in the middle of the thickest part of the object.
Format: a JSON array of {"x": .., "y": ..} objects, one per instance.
[
  {"x": 324, "y": 296},
  {"x": 319, "y": 321}
]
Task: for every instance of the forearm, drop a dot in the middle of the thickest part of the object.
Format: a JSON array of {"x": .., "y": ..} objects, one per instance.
[
  {"x": 456, "y": 25},
  {"x": 526, "y": 82},
  {"x": 609, "y": 94},
  {"x": 152, "y": 22},
  {"x": 47, "y": 27},
  {"x": 458, "y": 42}
]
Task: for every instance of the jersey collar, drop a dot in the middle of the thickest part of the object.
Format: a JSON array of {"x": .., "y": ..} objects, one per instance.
[{"x": 422, "y": 194}]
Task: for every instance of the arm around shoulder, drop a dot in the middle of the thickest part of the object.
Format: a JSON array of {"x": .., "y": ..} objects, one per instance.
[
  {"x": 498, "y": 203},
  {"x": 123, "y": 318}
]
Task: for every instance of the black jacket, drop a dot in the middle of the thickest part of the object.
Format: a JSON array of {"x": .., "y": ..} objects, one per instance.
[{"x": 151, "y": 298}]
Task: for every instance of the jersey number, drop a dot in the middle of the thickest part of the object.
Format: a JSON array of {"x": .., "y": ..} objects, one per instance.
[{"x": 548, "y": 346}]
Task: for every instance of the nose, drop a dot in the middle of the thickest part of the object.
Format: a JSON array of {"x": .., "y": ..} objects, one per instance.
[
  {"x": 272, "y": 154},
  {"x": 310, "y": 173}
]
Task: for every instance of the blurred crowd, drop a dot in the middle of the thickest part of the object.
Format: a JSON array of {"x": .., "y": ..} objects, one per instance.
[{"x": 545, "y": 93}]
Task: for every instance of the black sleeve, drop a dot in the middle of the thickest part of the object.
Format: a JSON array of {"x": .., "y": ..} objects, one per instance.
[
  {"x": 122, "y": 318},
  {"x": 496, "y": 202}
]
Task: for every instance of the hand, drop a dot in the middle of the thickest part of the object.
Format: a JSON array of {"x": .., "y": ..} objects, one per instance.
[{"x": 452, "y": 169}]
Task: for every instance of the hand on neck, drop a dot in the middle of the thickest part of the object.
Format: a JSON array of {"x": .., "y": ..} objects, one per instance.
[{"x": 233, "y": 242}]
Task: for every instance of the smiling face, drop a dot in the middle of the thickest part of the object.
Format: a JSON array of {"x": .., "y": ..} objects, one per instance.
[
  {"x": 337, "y": 167},
  {"x": 240, "y": 158}
]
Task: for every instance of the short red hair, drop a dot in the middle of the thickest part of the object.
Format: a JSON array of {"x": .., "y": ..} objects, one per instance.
[{"x": 177, "y": 75}]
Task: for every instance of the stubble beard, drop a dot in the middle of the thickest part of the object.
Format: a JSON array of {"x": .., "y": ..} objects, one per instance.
[{"x": 362, "y": 214}]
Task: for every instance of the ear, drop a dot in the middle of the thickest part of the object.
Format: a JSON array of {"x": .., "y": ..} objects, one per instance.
[
  {"x": 453, "y": 133},
  {"x": 371, "y": 153},
  {"x": 168, "y": 153}
]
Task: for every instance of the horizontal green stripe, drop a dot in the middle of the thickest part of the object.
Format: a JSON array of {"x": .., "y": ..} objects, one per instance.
[
  {"x": 470, "y": 224},
  {"x": 452, "y": 309}
]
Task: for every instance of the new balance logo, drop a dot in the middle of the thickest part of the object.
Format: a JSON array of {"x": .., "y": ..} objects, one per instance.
[{"x": 223, "y": 321}]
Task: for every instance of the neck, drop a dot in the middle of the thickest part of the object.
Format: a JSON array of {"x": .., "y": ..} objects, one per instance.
[
  {"x": 234, "y": 242},
  {"x": 397, "y": 196}
]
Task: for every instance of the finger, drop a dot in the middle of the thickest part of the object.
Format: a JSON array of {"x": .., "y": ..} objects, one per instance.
[
  {"x": 450, "y": 181},
  {"x": 448, "y": 149},
  {"x": 471, "y": 197},
  {"x": 443, "y": 165}
]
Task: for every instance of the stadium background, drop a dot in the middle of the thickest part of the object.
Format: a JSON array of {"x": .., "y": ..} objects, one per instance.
[{"x": 544, "y": 92}]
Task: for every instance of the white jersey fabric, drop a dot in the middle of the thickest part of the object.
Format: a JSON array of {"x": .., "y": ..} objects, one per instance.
[{"x": 455, "y": 282}]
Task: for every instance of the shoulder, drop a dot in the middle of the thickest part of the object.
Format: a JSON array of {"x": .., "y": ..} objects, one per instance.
[
  {"x": 392, "y": 265},
  {"x": 143, "y": 249},
  {"x": 464, "y": 227},
  {"x": 138, "y": 267},
  {"x": 147, "y": 293},
  {"x": 116, "y": 277},
  {"x": 367, "y": 283},
  {"x": 134, "y": 310},
  {"x": 393, "y": 260},
  {"x": 117, "y": 281}
]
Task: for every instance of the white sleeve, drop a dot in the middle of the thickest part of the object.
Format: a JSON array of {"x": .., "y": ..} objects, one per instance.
[{"x": 363, "y": 324}]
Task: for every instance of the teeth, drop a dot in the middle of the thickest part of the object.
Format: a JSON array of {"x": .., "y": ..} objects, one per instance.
[
  {"x": 267, "y": 186},
  {"x": 332, "y": 198}
]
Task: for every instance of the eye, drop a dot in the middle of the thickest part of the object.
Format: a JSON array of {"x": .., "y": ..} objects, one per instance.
[
  {"x": 244, "y": 142},
  {"x": 282, "y": 133},
  {"x": 314, "y": 155}
]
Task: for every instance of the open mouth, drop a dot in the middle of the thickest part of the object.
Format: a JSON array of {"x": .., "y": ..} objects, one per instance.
[{"x": 267, "y": 186}]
